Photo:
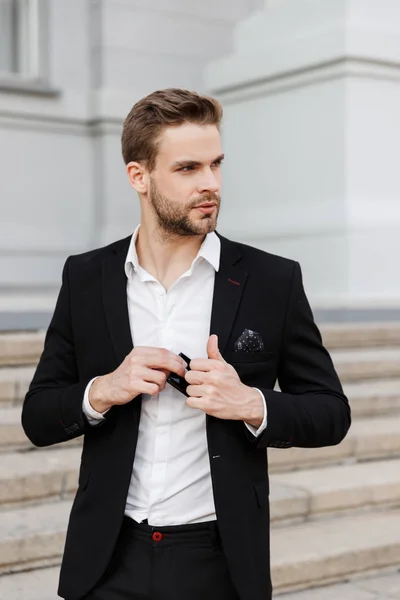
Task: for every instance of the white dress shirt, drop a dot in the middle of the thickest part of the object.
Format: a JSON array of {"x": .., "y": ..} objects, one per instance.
[{"x": 171, "y": 478}]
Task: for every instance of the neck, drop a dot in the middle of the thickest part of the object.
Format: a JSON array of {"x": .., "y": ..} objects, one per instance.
[{"x": 166, "y": 257}]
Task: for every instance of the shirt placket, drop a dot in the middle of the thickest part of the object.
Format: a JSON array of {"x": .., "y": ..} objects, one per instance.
[{"x": 164, "y": 416}]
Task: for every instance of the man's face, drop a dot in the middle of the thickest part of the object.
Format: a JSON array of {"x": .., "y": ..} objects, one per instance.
[{"x": 185, "y": 184}]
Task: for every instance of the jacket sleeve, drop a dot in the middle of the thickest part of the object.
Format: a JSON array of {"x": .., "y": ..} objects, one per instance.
[
  {"x": 52, "y": 409},
  {"x": 311, "y": 410}
]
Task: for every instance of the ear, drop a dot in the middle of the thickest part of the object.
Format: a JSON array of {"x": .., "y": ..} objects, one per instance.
[{"x": 137, "y": 176}]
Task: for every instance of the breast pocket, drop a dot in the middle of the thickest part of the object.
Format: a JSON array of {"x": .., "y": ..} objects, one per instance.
[
  {"x": 249, "y": 357},
  {"x": 256, "y": 369}
]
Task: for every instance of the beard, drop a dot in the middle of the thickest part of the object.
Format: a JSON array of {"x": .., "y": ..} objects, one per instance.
[{"x": 174, "y": 219}]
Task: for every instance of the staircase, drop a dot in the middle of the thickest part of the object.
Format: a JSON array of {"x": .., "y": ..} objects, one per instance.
[{"x": 335, "y": 511}]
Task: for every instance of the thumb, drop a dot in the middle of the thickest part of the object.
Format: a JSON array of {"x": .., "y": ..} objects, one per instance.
[{"x": 212, "y": 348}]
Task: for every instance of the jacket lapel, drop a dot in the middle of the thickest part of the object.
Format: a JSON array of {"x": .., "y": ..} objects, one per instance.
[
  {"x": 228, "y": 289},
  {"x": 115, "y": 300}
]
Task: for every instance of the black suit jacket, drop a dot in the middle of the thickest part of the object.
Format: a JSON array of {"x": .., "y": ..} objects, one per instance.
[{"x": 89, "y": 335}]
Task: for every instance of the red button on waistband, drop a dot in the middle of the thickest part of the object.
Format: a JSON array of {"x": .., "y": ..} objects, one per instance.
[{"x": 157, "y": 536}]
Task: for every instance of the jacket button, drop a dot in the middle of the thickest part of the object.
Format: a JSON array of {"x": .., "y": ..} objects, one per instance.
[{"x": 157, "y": 536}]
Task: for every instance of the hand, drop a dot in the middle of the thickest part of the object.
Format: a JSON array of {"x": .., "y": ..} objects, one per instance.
[
  {"x": 216, "y": 389},
  {"x": 144, "y": 371}
]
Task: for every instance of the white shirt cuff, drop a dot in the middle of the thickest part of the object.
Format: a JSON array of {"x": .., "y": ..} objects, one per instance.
[
  {"x": 92, "y": 415},
  {"x": 251, "y": 428}
]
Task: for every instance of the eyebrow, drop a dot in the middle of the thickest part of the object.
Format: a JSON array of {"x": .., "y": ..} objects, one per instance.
[{"x": 195, "y": 163}]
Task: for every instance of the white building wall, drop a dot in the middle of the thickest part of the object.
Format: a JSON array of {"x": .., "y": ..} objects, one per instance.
[
  {"x": 310, "y": 90},
  {"x": 284, "y": 176},
  {"x": 63, "y": 187},
  {"x": 46, "y": 187},
  {"x": 312, "y": 132}
]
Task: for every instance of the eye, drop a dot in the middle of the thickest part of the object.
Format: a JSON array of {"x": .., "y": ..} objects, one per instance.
[{"x": 217, "y": 164}]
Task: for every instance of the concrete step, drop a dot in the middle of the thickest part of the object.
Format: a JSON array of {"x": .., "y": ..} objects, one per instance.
[
  {"x": 50, "y": 474},
  {"x": 303, "y": 555},
  {"x": 367, "y": 439},
  {"x": 33, "y": 536},
  {"x": 38, "y": 476},
  {"x": 21, "y": 348},
  {"x": 365, "y": 363},
  {"x": 308, "y": 494},
  {"x": 12, "y": 436},
  {"x": 371, "y": 397},
  {"x": 14, "y": 383},
  {"x": 360, "y": 335},
  {"x": 26, "y": 347},
  {"x": 380, "y": 587},
  {"x": 40, "y": 584},
  {"x": 369, "y": 363},
  {"x": 11, "y": 433},
  {"x": 322, "y": 552},
  {"x": 374, "y": 397}
]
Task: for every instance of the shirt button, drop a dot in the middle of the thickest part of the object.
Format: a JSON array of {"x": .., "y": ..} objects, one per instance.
[{"x": 157, "y": 536}]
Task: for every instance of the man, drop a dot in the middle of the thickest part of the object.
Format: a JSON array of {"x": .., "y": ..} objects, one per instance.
[{"x": 173, "y": 485}]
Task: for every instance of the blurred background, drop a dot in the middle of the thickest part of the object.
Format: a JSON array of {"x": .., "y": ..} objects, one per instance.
[{"x": 311, "y": 133}]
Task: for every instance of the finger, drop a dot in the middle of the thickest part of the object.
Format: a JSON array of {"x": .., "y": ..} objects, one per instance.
[
  {"x": 197, "y": 391},
  {"x": 170, "y": 361},
  {"x": 195, "y": 403},
  {"x": 154, "y": 376},
  {"x": 148, "y": 388},
  {"x": 174, "y": 366},
  {"x": 196, "y": 377},
  {"x": 206, "y": 364},
  {"x": 166, "y": 373},
  {"x": 156, "y": 353},
  {"x": 161, "y": 358},
  {"x": 142, "y": 375}
]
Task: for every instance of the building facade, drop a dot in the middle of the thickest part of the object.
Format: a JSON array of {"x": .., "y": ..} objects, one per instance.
[{"x": 310, "y": 89}]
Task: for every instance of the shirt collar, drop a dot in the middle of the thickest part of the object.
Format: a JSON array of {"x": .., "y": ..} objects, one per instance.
[{"x": 210, "y": 251}]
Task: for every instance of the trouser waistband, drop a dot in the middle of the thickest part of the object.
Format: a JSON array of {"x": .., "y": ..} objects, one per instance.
[{"x": 196, "y": 532}]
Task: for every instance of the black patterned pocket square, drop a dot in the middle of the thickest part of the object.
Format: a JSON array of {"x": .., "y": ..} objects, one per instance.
[{"x": 249, "y": 341}]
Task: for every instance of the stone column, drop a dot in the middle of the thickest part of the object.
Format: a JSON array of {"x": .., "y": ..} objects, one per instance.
[{"x": 312, "y": 137}]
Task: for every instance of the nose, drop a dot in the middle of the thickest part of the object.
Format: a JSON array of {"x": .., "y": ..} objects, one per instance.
[{"x": 209, "y": 182}]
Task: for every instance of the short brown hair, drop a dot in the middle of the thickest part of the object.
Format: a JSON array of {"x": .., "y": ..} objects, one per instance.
[{"x": 170, "y": 107}]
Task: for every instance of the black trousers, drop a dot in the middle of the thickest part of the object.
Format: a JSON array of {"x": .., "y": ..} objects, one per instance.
[{"x": 183, "y": 562}]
